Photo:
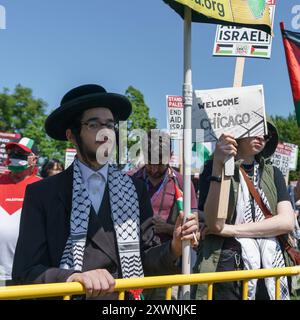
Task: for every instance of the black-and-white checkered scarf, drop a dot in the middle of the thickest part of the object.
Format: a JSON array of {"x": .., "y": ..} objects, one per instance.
[
  {"x": 125, "y": 215},
  {"x": 259, "y": 252}
]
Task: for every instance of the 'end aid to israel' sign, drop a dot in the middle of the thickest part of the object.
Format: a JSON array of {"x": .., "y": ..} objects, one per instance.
[
  {"x": 175, "y": 117},
  {"x": 245, "y": 42}
]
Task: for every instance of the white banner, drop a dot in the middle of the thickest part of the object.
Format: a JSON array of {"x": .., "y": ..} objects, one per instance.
[
  {"x": 236, "y": 111},
  {"x": 245, "y": 42},
  {"x": 281, "y": 158},
  {"x": 294, "y": 155},
  {"x": 69, "y": 157},
  {"x": 175, "y": 113}
]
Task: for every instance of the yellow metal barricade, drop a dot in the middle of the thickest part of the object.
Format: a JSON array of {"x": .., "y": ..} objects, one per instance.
[{"x": 69, "y": 289}]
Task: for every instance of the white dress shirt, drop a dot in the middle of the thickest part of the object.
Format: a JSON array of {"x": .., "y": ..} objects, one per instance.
[{"x": 95, "y": 182}]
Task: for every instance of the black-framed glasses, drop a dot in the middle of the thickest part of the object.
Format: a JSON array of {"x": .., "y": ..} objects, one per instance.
[
  {"x": 96, "y": 125},
  {"x": 267, "y": 137}
]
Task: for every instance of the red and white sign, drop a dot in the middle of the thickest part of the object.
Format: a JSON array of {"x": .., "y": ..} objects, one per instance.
[
  {"x": 5, "y": 138},
  {"x": 69, "y": 157},
  {"x": 175, "y": 113},
  {"x": 281, "y": 158},
  {"x": 294, "y": 155}
]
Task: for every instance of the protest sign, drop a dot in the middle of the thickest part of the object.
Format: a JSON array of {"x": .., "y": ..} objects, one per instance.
[
  {"x": 175, "y": 117},
  {"x": 236, "y": 111},
  {"x": 281, "y": 159},
  {"x": 294, "y": 156},
  {"x": 250, "y": 14},
  {"x": 69, "y": 157},
  {"x": 245, "y": 42},
  {"x": 5, "y": 138}
]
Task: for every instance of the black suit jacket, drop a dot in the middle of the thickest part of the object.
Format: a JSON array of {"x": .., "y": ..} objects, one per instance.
[{"x": 45, "y": 227}]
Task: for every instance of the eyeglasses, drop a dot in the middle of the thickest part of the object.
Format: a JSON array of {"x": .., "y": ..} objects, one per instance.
[
  {"x": 267, "y": 137},
  {"x": 95, "y": 125}
]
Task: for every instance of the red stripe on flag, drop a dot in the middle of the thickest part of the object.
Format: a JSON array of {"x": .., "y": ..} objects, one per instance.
[
  {"x": 292, "y": 53},
  {"x": 178, "y": 193}
]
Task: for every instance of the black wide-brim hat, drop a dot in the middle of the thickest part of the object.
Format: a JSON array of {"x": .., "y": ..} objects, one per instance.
[{"x": 83, "y": 98}]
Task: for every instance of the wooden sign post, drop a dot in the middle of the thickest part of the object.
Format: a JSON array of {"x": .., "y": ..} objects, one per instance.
[{"x": 228, "y": 169}]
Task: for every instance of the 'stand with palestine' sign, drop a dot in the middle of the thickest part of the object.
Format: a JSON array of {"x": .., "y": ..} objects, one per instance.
[{"x": 175, "y": 116}]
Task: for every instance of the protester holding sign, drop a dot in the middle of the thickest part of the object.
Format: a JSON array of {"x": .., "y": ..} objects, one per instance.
[{"x": 246, "y": 239}]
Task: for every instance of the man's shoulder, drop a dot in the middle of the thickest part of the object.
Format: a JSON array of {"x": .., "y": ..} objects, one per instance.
[
  {"x": 137, "y": 181},
  {"x": 136, "y": 172},
  {"x": 48, "y": 182}
]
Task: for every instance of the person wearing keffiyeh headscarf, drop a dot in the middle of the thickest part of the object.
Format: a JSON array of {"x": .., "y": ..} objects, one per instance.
[
  {"x": 92, "y": 223},
  {"x": 246, "y": 239}
]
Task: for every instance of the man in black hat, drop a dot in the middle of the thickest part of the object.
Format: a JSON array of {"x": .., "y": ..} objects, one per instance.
[{"x": 91, "y": 223}]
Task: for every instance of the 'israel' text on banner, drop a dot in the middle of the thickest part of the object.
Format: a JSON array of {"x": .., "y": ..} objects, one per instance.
[{"x": 244, "y": 42}]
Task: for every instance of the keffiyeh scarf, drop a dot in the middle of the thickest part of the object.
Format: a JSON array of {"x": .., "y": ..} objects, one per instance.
[
  {"x": 258, "y": 252},
  {"x": 125, "y": 215}
]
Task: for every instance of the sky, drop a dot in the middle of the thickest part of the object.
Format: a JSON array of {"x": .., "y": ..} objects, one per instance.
[{"x": 53, "y": 46}]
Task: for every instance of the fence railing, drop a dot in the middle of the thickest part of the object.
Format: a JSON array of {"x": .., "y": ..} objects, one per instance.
[{"x": 69, "y": 289}]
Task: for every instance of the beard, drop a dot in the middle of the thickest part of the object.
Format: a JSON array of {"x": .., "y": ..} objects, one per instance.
[
  {"x": 89, "y": 155},
  {"x": 101, "y": 154}
]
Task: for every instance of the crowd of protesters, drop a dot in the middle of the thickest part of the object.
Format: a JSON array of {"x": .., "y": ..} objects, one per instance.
[{"x": 93, "y": 223}]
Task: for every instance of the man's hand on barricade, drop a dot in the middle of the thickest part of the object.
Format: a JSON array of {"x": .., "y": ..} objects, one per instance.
[{"x": 96, "y": 282}]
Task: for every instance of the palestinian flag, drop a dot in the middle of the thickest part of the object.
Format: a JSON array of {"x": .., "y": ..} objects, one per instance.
[
  {"x": 259, "y": 50},
  {"x": 253, "y": 14},
  {"x": 291, "y": 42},
  {"x": 202, "y": 152},
  {"x": 224, "y": 48},
  {"x": 179, "y": 198}
]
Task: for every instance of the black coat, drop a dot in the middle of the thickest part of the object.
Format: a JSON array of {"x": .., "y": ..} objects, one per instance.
[{"x": 45, "y": 227}]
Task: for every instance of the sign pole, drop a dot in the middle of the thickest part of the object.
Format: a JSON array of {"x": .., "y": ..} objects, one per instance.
[
  {"x": 187, "y": 142},
  {"x": 181, "y": 156},
  {"x": 228, "y": 169}
]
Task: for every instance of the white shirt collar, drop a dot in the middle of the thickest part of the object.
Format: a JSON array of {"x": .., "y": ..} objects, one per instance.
[{"x": 86, "y": 172}]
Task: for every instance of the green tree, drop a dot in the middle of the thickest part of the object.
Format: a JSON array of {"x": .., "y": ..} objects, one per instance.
[
  {"x": 21, "y": 112},
  {"x": 140, "y": 117},
  {"x": 289, "y": 132},
  {"x": 48, "y": 147},
  {"x": 18, "y": 109}
]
